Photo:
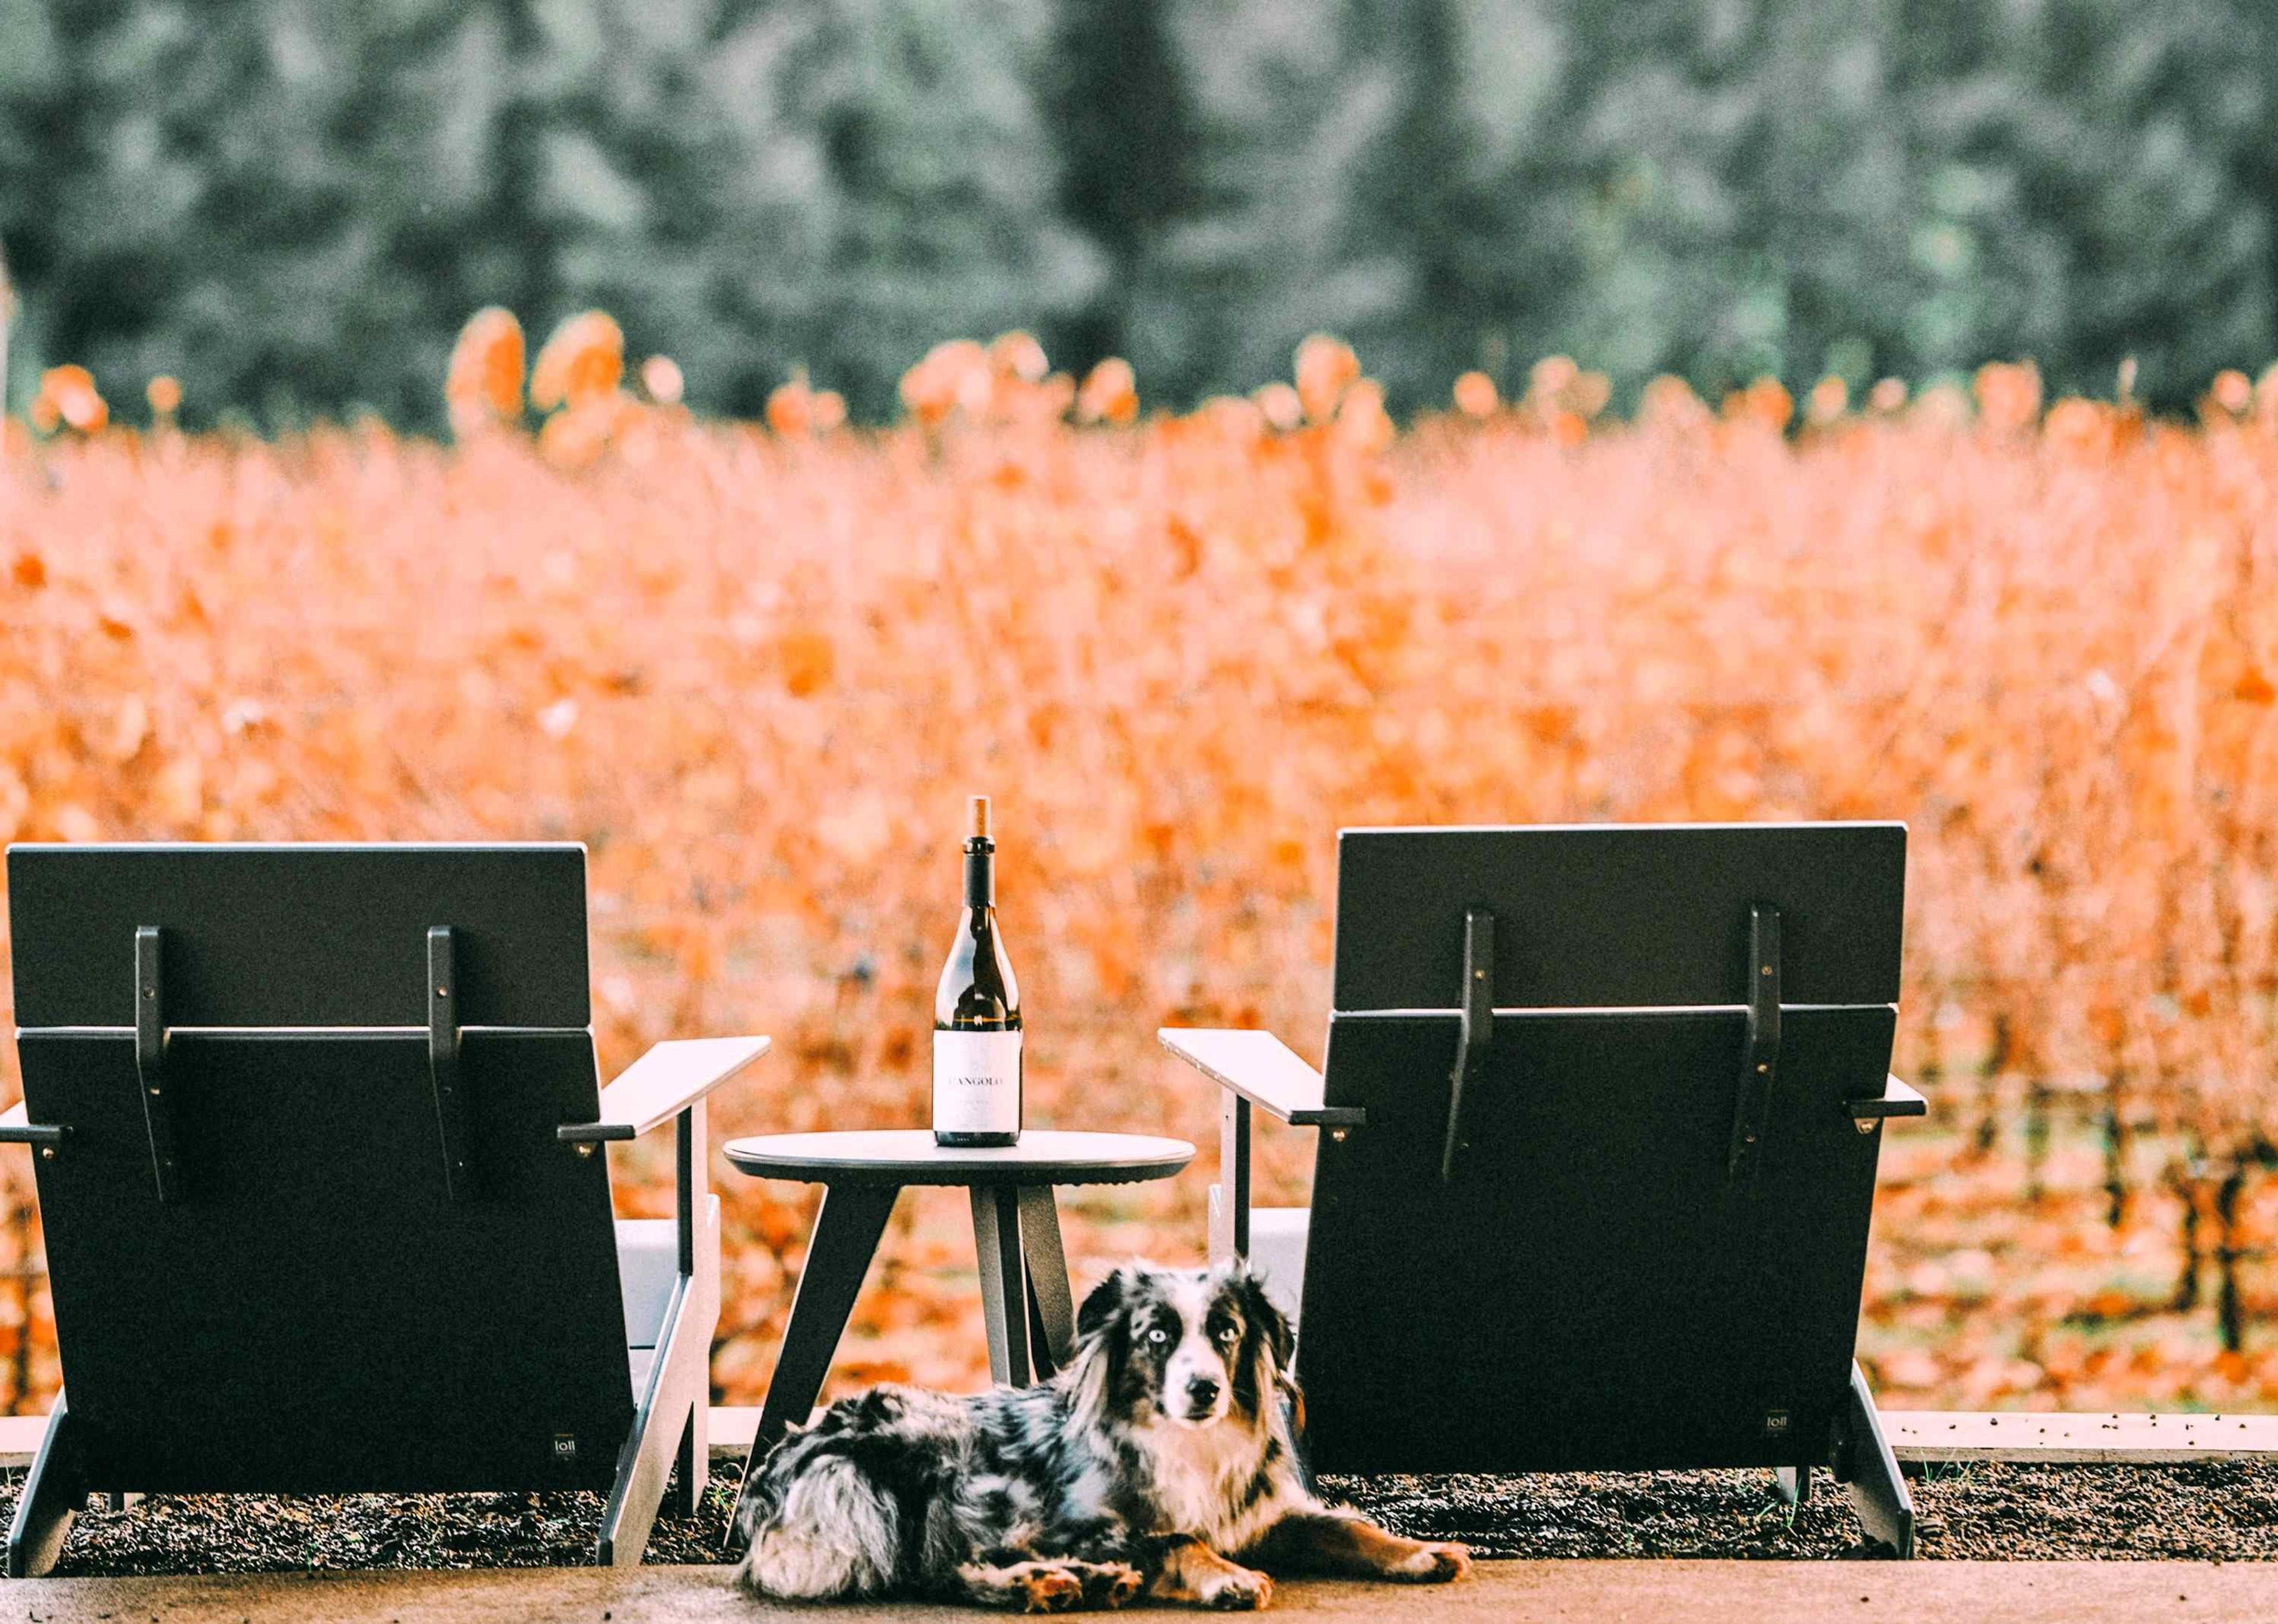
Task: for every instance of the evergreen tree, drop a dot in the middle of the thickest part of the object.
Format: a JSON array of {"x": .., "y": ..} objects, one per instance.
[
  {"x": 1367, "y": 170},
  {"x": 1123, "y": 126},
  {"x": 1736, "y": 184},
  {"x": 1410, "y": 198},
  {"x": 263, "y": 200},
  {"x": 293, "y": 206},
  {"x": 649, "y": 166},
  {"x": 29, "y": 68},
  {"x": 2121, "y": 217},
  {"x": 942, "y": 220},
  {"x": 1283, "y": 112}
]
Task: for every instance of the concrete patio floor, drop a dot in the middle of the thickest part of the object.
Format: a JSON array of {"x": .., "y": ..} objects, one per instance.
[{"x": 1547, "y": 1592}]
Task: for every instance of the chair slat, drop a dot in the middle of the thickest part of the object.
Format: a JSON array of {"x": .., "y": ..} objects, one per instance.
[
  {"x": 1619, "y": 917},
  {"x": 313, "y": 935}
]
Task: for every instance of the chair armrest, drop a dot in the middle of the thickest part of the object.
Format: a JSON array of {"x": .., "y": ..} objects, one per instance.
[
  {"x": 661, "y": 1084},
  {"x": 1258, "y": 1067},
  {"x": 1897, "y": 1100}
]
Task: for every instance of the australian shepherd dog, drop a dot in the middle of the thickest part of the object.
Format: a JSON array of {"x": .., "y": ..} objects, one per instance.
[{"x": 1161, "y": 1462}]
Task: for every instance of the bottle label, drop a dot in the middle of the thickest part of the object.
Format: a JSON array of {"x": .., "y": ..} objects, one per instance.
[{"x": 977, "y": 1082}]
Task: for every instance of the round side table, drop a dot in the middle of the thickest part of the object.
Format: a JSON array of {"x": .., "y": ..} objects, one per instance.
[{"x": 1025, "y": 1302}]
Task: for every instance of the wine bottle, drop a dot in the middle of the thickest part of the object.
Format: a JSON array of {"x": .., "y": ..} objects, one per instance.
[{"x": 976, "y": 1014}]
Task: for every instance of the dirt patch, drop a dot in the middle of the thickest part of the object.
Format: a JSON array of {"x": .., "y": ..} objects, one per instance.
[{"x": 2225, "y": 1510}]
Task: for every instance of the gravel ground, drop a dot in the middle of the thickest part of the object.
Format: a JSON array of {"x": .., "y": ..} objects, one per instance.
[
  {"x": 1984, "y": 1509},
  {"x": 245, "y": 1534},
  {"x": 2223, "y": 1511}
]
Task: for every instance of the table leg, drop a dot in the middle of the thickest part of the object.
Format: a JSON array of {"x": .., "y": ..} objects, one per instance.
[
  {"x": 1051, "y": 1309},
  {"x": 1003, "y": 1299},
  {"x": 846, "y": 1231}
]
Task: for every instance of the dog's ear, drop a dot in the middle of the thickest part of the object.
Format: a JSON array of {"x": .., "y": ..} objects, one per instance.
[
  {"x": 1270, "y": 1325},
  {"x": 1101, "y": 1308},
  {"x": 1098, "y": 1368}
]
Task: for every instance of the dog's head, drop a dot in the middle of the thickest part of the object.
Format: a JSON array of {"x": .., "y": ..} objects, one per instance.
[{"x": 1195, "y": 1345}]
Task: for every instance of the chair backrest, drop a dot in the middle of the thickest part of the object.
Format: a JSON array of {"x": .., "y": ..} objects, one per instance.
[
  {"x": 309, "y": 1228},
  {"x": 1641, "y": 1240}
]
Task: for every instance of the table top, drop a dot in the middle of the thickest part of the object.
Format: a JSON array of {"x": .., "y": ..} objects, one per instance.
[{"x": 909, "y": 1156}]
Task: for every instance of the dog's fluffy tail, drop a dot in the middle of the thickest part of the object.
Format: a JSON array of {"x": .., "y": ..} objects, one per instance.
[{"x": 832, "y": 1535}]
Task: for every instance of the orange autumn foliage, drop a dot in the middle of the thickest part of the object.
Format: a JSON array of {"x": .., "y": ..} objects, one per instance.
[
  {"x": 791, "y": 409},
  {"x": 1362, "y": 420},
  {"x": 1017, "y": 355},
  {"x": 1110, "y": 393},
  {"x": 955, "y": 377},
  {"x": 1475, "y": 395},
  {"x": 1278, "y": 403},
  {"x": 2008, "y": 395},
  {"x": 483, "y": 388},
  {"x": 1327, "y": 367},
  {"x": 583, "y": 362},
  {"x": 67, "y": 398},
  {"x": 661, "y": 380},
  {"x": 1669, "y": 403},
  {"x": 757, "y": 675},
  {"x": 1765, "y": 403}
]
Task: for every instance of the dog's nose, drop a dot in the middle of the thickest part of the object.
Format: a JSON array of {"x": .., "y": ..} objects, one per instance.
[{"x": 1201, "y": 1392}]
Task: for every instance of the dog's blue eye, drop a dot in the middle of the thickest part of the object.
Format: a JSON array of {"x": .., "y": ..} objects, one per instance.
[
  {"x": 1158, "y": 1336},
  {"x": 1226, "y": 1334}
]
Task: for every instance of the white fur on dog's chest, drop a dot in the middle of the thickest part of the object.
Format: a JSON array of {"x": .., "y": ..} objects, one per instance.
[{"x": 1201, "y": 1476}]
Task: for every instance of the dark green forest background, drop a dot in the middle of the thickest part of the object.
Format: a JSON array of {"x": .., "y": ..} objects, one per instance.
[{"x": 293, "y": 204}]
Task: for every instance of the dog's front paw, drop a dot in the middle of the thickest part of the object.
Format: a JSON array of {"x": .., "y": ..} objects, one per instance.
[
  {"x": 1047, "y": 1590},
  {"x": 1110, "y": 1584},
  {"x": 1237, "y": 1589},
  {"x": 1440, "y": 1564}
]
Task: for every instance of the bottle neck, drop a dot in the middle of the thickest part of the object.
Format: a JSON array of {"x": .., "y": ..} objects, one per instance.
[{"x": 980, "y": 874}]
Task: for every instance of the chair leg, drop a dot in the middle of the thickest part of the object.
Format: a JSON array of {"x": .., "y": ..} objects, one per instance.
[
  {"x": 1866, "y": 1467},
  {"x": 672, "y": 1412},
  {"x": 846, "y": 1233},
  {"x": 1004, "y": 1281},
  {"x": 1792, "y": 1483},
  {"x": 53, "y": 1492}
]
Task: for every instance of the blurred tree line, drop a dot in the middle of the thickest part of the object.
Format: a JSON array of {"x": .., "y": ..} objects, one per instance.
[{"x": 292, "y": 205}]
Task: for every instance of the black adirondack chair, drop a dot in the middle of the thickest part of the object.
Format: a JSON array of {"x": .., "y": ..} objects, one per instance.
[
  {"x": 317, "y": 1133},
  {"x": 1600, "y": 1109}
]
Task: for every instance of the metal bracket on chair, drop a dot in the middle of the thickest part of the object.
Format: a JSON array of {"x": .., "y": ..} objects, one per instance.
[
  {"x": 44, "y": 1135},
  {"x": 1760, "y": 1057},
  {"x": 150, "y": 1045},
  {"x": 1477, "y": 1034},
  {"x": 443, "y": 1062}
]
